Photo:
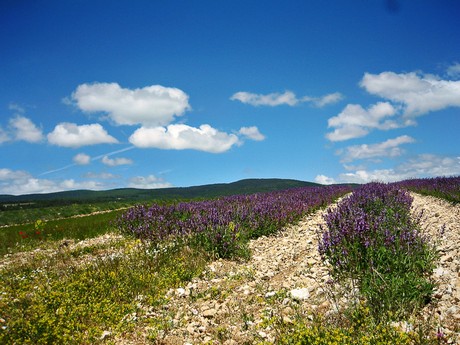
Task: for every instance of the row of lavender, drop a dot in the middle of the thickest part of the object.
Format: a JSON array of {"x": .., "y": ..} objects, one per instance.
[
  {"x": 372, "y": 240},
  {"x": 442, "y": 187},
  {"x": 222, "y": 225}
]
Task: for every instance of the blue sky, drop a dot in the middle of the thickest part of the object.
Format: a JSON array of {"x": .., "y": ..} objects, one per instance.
[{"x": 150, "y": 94}]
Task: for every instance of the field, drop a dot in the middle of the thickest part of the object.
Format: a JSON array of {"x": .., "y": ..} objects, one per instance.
[{"x": 117, "y": 276}]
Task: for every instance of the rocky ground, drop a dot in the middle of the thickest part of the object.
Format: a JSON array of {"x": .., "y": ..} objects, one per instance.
[
  {"x": 243, "y": 302},
  {"x": 240, "y": 302},
  {"x": 442, "y": 221}
]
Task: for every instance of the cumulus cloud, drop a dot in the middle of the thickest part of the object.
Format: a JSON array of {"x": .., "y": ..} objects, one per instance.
[
  {"x": 286, "y": 98},
  {"x": 272, "y": 99},
  {"x": 82, "y": 159},
  {"x": 418, "y": 93},
  {"x": 153, "y": 105},
  {"x": 251, "y": 133},
  {"x": 324, "y": 100},
  {"x": 148, "y": 182},
  {"x": 8, "y": 174},
  {"x": 21, "y": 182},
  {"x": 181, "y": 137},
  {"x": 323, "y": 179},
  {"x": 116, "y": 161},
  {"x": 431, "y": 165},
  {"x": 424, "y": 165},
  {"x": 453, "y": 71},
  {"x": 21, "y": 128},
  {"x": 388, "y": 148},
  {"x": 354, "y": 121},
  {"x": 70, "y": 135}
]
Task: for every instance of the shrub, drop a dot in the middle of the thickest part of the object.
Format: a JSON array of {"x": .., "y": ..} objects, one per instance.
[
  {"x": 372, "y": 240},
  {"x": 223, "y": 226},
  {"x": 447, "y": 188}
]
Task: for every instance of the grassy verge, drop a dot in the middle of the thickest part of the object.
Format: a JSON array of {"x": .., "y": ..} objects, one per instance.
[
  {"x": 94, "y": 293},
  {"x": 28, "y": 214},
  {"x": 34, "y": 235},
  {"x": 74, "y": 296}
]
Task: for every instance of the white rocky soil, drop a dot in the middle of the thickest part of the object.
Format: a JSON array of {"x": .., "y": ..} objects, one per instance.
[
  {"x": 238, "y": 302},
  {"x": 438, "y": 214}
]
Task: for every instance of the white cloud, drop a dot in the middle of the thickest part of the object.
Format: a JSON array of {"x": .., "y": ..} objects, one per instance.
[
  {"x": 17, "y": 108},
  {"x": 430, "y": 165},
  {"x": 148, "y": 182},
  {"x": 324, "y": 100},
  {"x": 72, "y": 185},
  {"x": 154, "y": 105},
  {"x": 21, "y": 182},
  {"x": 453, "y": 71},
  {"x": 117, "y": 161},
  {"x": 7, "y": 174},
  {"x": 272, "y": 99},
  {"x": 4, "y": 136},
  {"x": 70, "y": 135},
  {"x": 103, "y": 176},
  {"x": 251, "y": 133},
  {"x": 24, "y": 129},
  {"x": 82, "y": 159},
  {"x": 424, "y": 165},
  {"x": 418, "y": 93},
  {"x": 181, "y": 137},
  {"x": 388, "y": 148},
  {"x": 363, "y": 176},
  {"x": 354, "y": 121},
  {"x": 286, "y": 98},
  {"x": 322, "y": 179}
]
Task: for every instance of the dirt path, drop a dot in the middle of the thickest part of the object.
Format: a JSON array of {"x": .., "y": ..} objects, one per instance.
[
  {"x": 237, "y": 303},
  {"x": 442, "y": 221},
  {"x": 233, "y": 302}
]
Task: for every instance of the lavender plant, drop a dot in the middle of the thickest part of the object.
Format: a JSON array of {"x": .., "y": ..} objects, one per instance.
[
  {"x": 447, "y": 188},
  {"x": 372, "y": 240},
  {"x": 223, "y": 226}
]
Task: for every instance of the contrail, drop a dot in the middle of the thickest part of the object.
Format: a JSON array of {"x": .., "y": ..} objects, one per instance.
[
  {"x": 113, "y": 153},
  {"x": 56, "y": 170},
  {"x": 92, "y": 159}
]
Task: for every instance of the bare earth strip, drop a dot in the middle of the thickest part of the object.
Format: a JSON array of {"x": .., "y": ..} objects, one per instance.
[
  {"x": 237, "y": 303},
  {"x": 233, "y": 301},
  {"x": 442, "y": 222}
]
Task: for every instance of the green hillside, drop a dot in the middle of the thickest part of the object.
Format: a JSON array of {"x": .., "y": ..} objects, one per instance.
[
  {"x": 28, "y": 208},
  {"x": 247, "y": 186}
]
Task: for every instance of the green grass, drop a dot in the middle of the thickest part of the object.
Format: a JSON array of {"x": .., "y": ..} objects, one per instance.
[
  {"x": 30, "y": 213},
  {"x": 69, "y": 299},
  {"x": 71, "y": 295},
  {"x": 356, "y": 326},
  {"x": 30, "y": 236}
]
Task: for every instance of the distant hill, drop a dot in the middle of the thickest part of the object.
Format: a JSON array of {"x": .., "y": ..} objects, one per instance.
[{"x": 247, "y": 186}]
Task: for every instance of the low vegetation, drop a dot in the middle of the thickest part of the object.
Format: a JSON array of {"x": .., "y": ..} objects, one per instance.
[
  {"x": 373, "y": 243},
  {"x": 75, "y": 294},
  {"x": 224, "y": 226},
  {"x": 447, "y": 188},
  {"x": 41, "y": 233},
  {"x": 91, "y": 291}
]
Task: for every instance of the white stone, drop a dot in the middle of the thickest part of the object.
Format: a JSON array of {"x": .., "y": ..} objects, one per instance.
[
  {"x": 180, "y": 292},
  {"x": 301, "y": 294},
  {"x": 105, "y": 334}
]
